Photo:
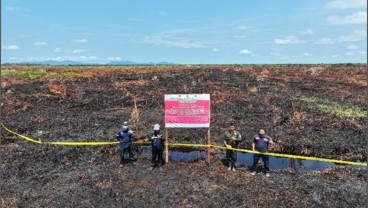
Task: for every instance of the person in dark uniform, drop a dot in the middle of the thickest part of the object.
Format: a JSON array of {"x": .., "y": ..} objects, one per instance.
[
  {"x": 232, "y": 138},
  {"x": 157, "y": 139},
  {"x": 125, "y": 137}
]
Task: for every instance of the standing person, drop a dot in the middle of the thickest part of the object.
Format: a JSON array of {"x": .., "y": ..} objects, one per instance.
[
  {"x": 232, "y": 138},
  {"x": 125, "y": 140},
  {"x": 125, "y": 125},
  {"x": 130, "y": 131},
  {"x": 157, "y": 138},
  {"x": 260, "y": 143}
]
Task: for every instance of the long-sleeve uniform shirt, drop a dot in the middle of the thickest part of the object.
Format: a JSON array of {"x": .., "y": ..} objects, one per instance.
[
  {"x": 157, "y": 138},
  {"x": 232, "y": 138}
]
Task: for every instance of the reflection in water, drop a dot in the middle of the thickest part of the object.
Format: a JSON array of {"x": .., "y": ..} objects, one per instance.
[
  {"x": 176, "y": 156},
  {"x": 191, "y": 156},
  {"x": 285, "y": 163},
  {"x": 244, "y": 159}
]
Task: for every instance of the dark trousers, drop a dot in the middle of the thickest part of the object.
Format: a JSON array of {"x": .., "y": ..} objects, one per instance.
[
  {"x": 265, "y": 159},
  {"x": 125, "y": 150},
  {"x": 231, "y": 157},
  {"x": 157, "y": 159}
]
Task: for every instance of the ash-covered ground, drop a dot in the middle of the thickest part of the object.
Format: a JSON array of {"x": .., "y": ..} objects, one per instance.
[{"x": 289, "y": 101}]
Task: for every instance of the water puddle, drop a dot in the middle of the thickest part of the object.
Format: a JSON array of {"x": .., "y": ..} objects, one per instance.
[
  {"x": 244, "y": 160},
  {"x": 277, "y": 163},
  {"x": 178, "y": 156}
]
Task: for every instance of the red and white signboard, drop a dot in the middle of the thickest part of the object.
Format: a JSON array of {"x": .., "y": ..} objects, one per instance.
[{"x": 187, "y": 111}]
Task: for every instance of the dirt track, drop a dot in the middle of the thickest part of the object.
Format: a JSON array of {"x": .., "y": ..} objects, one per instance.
[{"x": 93, "y": 108}]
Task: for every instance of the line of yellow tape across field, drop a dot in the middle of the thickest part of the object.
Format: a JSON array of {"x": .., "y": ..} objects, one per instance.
[{"x": 73, "y": 143}]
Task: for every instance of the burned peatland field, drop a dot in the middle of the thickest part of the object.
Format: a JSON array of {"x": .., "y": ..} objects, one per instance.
[{"x": 312, "y": 110}]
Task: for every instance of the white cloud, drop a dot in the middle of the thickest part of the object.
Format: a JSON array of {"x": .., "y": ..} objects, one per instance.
[
  {"x": 352, "y": 47},
  {"x": 357, "y": 35},
  {"x": 349, "y": 53},
  {"x": 289, "y": 40},
  {"x": 10, "y": 47},
  {"x": 363, "y": 52},
  {"x": 306, "y": 32},
  {"x": 114, "y": 58},
  {"x": 78, "y": 51},
  {"x": 241, "y": 27},
  {"x": 181, "y": 44},
  {"x": 346, "y": 4},
  {"x": 335, "y": 55},
  {"x": 245, "y": 51},
  {"x": 60, "y": 50},
  {"x": 40, "y": 43},
  {"x": 356, "y": 18},
  {"x": 13, "y": 58},
  {"x": 173, "y": 42},
  {"x": 215, "y": 49},
  {"x": 83, "y": 40},
  {"x": 307, "y": 54},
  {"x": 61, "y": 58},
  {"x": 75, "y": 58},
  {"x": 85, "y": 58},
  {"x": 324, "y": 41}
]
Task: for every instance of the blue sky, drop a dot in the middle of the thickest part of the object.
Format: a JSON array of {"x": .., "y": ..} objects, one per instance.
[{"x": 185, "y": 31}]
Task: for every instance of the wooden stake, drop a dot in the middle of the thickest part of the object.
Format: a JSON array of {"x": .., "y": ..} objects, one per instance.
[
  {"x": 166, "y": 147},
  {"x": 208, "y": 143}
]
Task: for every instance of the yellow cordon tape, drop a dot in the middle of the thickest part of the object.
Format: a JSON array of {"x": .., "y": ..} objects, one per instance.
[{"x": 66, "y": 143}]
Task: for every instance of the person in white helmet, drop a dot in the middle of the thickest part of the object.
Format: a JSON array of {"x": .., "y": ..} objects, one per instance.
[{"x": 157, "y": 138}]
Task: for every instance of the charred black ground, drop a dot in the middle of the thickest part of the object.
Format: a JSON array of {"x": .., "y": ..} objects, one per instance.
[{"x": 293, "y": 102}]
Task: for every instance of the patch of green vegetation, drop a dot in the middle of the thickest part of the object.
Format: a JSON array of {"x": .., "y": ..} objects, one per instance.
[
  {"x": 41, "y": 72},
  {"x": 29, "y": 74},
  {"x": 269, "y": 88},
  {"x": 33, "y": 72},
  {"x": 338, "y": 109},
  {"x": 40, "y": 75}
]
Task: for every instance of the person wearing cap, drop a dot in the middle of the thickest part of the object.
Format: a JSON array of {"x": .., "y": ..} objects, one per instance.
[
  {"x": 232, "y": 138},
  {"x": 260, "y": 143},
  {"x": 125, "y": 142},
  {"x": 157, "y": 140}
]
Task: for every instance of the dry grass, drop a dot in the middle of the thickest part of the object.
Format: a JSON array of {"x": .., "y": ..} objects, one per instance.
[
  {"x": 128, "y": 83},
  {"x": 253, "y": 90},
  {"x": 9, "y": 203},
  {"x": 57, "y": 90},
  {"x": 134, "y": 116},
  {"x": 298, "y": 116}
]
